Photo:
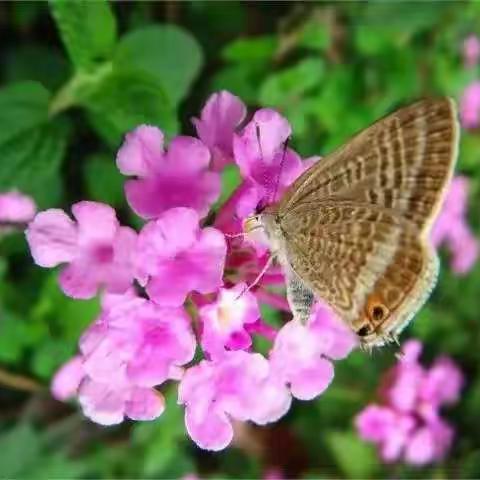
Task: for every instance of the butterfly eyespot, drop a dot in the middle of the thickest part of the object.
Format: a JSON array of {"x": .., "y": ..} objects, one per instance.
[
  {"x": 363, "y": 331},
  {"x": 378, "y": 312}
]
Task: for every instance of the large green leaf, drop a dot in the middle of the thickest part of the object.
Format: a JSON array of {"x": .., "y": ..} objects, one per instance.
[
  {"x": 30, "y": 162},
  {"x": 23, "y": 105},
  {"x": 125, "y": 99},
  {"x": 168, "y": 53},
  {"x": 88, "y": 30},
  {"x": 103, "y": 180}
]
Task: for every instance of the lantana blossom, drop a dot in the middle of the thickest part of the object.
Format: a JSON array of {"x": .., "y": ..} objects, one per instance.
[
  {"x": 179, "y": 177},
  {"x": 406, "y": 424},
  {"x": 96, "y": 248},
  {"x": 470, "y": 105},
  {"x": 175, "y": 257}
]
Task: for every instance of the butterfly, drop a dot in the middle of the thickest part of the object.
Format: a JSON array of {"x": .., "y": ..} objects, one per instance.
[{"x": 353, "y": 230}]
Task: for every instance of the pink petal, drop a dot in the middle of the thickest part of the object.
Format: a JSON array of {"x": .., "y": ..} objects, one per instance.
[
  {"x": 222, "y": 113},
  {"x": 142, "y": 151},
  {"x": 66, "y": 381},
  {"x": 311, "y": 382},
  {"x": 420, "y": 449},
  {"x": 144, "y": 404},
  {"x": 16, "y": 208},
  {"x": 97, "y": 222},
  {"x": 79, "y": 280},
  {"x": 374, "y": 423},
  {"x": 102, "y": 404},
  {"x": 187, "y": 155},
  {"x": 213, "y": 432},
  {"x": 52, "y": 238}
]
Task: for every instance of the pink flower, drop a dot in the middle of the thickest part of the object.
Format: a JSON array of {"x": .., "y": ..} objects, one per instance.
[
  {"x": 137, "y": 342},
  {"x": 408, "y": 424},
  {"x": 471, "y": 51},
  {"x": 264, "y": 161},
  {"x": 177, "y": 178},
  {"x": 107, "y": 405},
  {"x": 452, "y": 230},
  {"x": 220, "y": 116},
  {"x": 176, "y": 257},
  {"x": 97, "y": 249},
  {"x": 16, "y": 208},
  {"x": 224, "y": 320},
  {"x": 300, "y": 354},
  {"x": 470, "y": 106},
  {"x": 238, "y": 386}
]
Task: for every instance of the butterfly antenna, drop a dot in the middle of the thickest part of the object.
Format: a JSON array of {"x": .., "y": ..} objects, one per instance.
[
  {"x": 277, "y": 181},
  {"x": 258, "y": 278}
]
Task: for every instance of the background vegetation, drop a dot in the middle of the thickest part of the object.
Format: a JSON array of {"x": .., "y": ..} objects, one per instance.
[{"x": 75, "y": 76}]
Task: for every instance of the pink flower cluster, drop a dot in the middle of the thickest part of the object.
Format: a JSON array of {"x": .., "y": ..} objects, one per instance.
[
  {"x": 178, "y": 287},
  {"x": 407, "y": 425},
  {"x": 452, "y": 230}
]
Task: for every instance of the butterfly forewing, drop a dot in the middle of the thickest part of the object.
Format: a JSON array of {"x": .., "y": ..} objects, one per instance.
[{"x": 355, "y": 225}]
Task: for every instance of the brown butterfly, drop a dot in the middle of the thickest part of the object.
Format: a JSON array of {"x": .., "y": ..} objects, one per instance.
[{"x": 353, "y": 230}]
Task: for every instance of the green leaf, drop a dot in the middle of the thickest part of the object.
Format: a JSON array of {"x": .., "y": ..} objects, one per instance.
[
  {"x": 31, "y": 162},
  {"x": 126, "y": 99},
  {"x": 356, "y": 458},
  {"x": 251, "y": 50},
  {"x": 167, "y": 53},
  {"x": 103, "y": 179},
  {"x": 13, "y": 338},
  {"x": 22, "y": 106},
  {"x": 290, "y": 85},
  {"x": 88, "y": 30},
  {"x": 39, "y": 63}
]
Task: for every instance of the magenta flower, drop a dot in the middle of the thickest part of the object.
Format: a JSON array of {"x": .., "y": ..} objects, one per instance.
[
  {"x": 471, "y": 51},
  {"x": 15, "y": 207},
  {"x": 220, "y": 117},
  {"x": 177, "y": 178},
  {"x": 224, "y": 320},
  {"x": 105, "y": 403},
  {"x": 176, "y": 257},
  {"x": 137, "y": 342},
  {"x": 264, "y": 162},
  {"x": 470, "y": 106},
  {"x": 97, "y": 249},
  {"x": 301, "y": 354},
  {"x": 408, "y": 425},
  {"x": 237, "y": 386},
  {"x": 451, "y": 228}
]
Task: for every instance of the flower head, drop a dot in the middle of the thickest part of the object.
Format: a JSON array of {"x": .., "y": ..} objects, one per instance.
[
  {"x": 301, "y": 353},
  {"x": 96, "y": 248},
  {"x": 177, "y": 178},
  {"x": 176, "y": 257},
  {"x": 408, "y": 424},
  {"x": 225, "y": 319}
]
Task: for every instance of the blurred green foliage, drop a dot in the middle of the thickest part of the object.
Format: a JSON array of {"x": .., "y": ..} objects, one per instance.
[{"x": 77, "y": 75}]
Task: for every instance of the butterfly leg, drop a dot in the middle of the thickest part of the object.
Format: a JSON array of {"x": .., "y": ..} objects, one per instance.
[{"x": 299, "y": 296}]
